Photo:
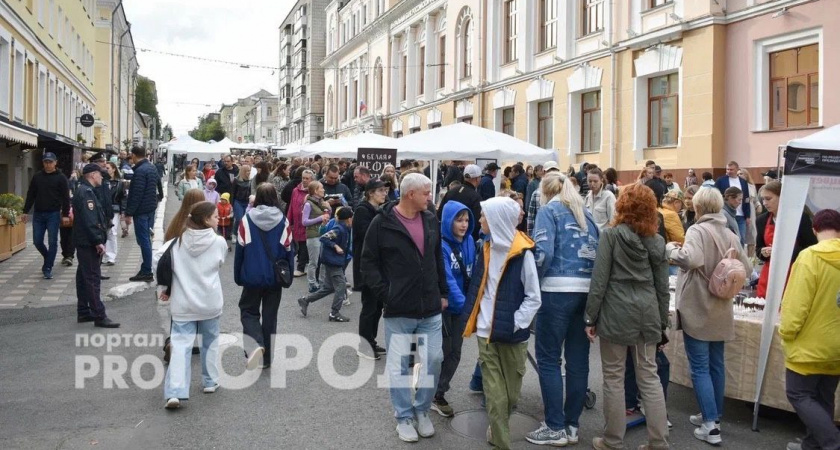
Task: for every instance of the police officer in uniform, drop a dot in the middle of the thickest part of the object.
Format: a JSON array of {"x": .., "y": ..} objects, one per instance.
[
  {"x": 90, "y": 229},
  {"x": 103, "y": 192}
]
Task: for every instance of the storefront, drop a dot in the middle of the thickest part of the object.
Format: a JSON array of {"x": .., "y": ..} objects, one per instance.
[{"x": 16, "y": 145}]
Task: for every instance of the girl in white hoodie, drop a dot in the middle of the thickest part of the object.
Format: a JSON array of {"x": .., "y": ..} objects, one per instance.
[{"x": 196, "y": 302}]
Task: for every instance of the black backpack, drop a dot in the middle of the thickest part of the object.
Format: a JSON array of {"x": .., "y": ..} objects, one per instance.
[{"x": 164, "y": 272}]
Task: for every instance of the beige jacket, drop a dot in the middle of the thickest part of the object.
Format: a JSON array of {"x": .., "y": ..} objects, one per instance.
[{"x": 701, "y": 315}]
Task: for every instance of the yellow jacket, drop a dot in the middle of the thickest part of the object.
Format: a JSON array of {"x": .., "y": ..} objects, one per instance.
[
  {"x": 674, "y": 230},
  {"x": 810, "y": 326}
]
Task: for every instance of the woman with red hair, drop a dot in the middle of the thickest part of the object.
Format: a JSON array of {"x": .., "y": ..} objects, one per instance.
[{"x": 628, "y": 308}]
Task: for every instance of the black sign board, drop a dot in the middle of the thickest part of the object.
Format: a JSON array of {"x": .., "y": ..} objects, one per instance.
[
  {"x": 811, "y": 162},
  {"x": 86, "y": 120},
  {"x": 375, "y": 159}
]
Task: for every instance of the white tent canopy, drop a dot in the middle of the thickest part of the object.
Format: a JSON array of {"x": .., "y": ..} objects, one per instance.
[
  {"x": 462, "y": 141},
  {"x": 811, "y": 175},
  {"x": 349, "y": 147}
]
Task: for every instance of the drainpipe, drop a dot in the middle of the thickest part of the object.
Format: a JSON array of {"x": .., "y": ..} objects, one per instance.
[
  {"x": 614, "y": 87},
  {"x": 119, "y": 88},
  {"x": 111, "y": 65},
  {"x": 482, "y": 71}
]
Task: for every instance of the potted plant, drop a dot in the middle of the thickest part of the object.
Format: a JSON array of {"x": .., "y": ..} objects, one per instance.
[{"x": 12, "y": 232}]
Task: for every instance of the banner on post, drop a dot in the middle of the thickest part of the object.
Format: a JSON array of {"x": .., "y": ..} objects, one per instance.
[{"x": 375, "y": 159}]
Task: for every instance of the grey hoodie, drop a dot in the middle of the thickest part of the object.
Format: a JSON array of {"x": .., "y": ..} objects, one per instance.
[
  {"x": 628, "y": 298},
  {"x": 265, "y": 217},
  {"x": 196, "y": 287}
]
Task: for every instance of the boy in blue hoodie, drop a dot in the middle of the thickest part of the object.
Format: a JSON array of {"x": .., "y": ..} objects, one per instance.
[
  {"x": 458, "y": 248},
  {"x": 335, "y": 254}
]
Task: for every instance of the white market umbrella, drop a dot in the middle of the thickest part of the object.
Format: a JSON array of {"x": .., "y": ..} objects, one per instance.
[{"x": 462, "y": 141}]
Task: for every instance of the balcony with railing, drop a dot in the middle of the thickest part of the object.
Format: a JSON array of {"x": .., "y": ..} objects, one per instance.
[
  {"x": 284, "y": 114},
  {"x": 299, "y": 106}
]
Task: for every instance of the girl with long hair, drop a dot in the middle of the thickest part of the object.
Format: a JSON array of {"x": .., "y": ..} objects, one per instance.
[
  {"x": 316, "y": 212},
  {"x": 190, "y": 181},
  {"x": 196, "y": 302},
  {"x": 240, "y": 193}
]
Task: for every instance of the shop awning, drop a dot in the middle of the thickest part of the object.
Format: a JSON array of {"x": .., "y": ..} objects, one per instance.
[{"x": 18, "y": 135}]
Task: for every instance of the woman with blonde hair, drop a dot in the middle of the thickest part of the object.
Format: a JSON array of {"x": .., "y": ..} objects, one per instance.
[
  {"x": 316, "y": 212},
  {"x": 190, "y": 181},
  {"x": 627, "y": 308},
  {"x": 566, "y": 239},
  {"x": 706, "y": 321}
]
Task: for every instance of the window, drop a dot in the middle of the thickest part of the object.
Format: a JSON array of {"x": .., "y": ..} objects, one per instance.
[
  {"x": 404, "y": 87},
  {"x": 663, "y": 101},
  {"x": 442, "y": 63},
  {"x": 590, "y": 122},
  {"x": 507, "y": 121},
  {"x": 268, "y": 111},
  {"x": 422, "y": 69},
  {"x": 465, "y": 120},
  {"x": 467, "y": 50},
  {"x": 343, "y": 109},
  {"x": 795, "y": 88},
  {"x": 548, "y": 24},
  {"x": 5, "y": 74},
  {"x": 432, "y": 126},
  {"x": 658, "y": 3},
  {"x": 398, "y": 134},
  {"x": 355, "y": 98},
  {"x": 269, "y": 133},
  {"x": 414, "y": 130},
  {"x": 377, "y": 84},
  {"x": 593, "y": 16},
  {"x": 510, "y": 30},
  {"x": 17, "y": 88},
  {"x": 545, "y": 124}
]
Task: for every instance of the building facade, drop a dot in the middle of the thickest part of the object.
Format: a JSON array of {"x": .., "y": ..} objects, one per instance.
[
  {"x": 265, "y": 125},
  {"x": 239, "y": 120},
  {"x": 47, "y": 74},
  {"x": 301, "y": 81},
  {"x": 116, "y": 77},
  {"x": 690, "y": 84}
]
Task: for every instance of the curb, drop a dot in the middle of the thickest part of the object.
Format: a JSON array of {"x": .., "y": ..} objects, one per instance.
[{"x": 133, "y": 287}]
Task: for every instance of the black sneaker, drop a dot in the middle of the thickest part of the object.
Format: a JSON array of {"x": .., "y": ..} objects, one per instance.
[
  {"x": 304, "y": 305},
  {"x": 145, "y": 277},
  {"x": 338, "y": 318},
  {"x": 441, "y": 406},
  {"x": 378, "y": 350},
  {"x": 106, "y": 323},
  {"x": 67, "y": 261}
]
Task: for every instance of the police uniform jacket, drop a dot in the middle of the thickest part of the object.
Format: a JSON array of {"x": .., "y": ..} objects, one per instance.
[
  {"x": 89, "y": 223},
  {"x": 105, "y": 196}
]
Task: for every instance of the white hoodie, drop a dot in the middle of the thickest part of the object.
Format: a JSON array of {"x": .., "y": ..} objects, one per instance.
[
  {"x": 196, "y": 287},
  {"x": 502, "y": 214}
]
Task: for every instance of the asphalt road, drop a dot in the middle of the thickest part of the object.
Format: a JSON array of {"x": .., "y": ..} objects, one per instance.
[{"x": 41, "y": 407}]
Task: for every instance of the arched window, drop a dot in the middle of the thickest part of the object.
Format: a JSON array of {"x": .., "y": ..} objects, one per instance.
[
  {"x": 329, "y": 111},
  {"x": 464, "y": 47}
]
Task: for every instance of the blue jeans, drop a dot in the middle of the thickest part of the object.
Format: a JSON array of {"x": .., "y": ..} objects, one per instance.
[
  {"x": 560, "y": 330},
  {"x": 631, "y": 389},
  {"x": 399, "y": 334},
  {"x": 46, "y": 223},
  {"x": 182, "y": 338},
  {"x": 708, "y": 375},
  {"x": 742, "y": 228},
  {"x": 142, "y": 224}
]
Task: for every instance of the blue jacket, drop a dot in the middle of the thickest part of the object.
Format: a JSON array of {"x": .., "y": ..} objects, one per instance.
[
  {"x": 563, "y": 251},
  {"x": 722, "y": 184},
  {"x": 520, "y": 184},
  {"x": 142, "y": 193},
  {"x": 338, "y": 235},
  {"x": 457, "y": 277},
  {"x": 252, "y": 267},
  {"x": 510, "y": 294},
  {"x": 486, "y": 189}
]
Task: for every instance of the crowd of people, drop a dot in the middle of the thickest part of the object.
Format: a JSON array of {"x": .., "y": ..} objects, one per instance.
[{"x": 567, "y": 257}]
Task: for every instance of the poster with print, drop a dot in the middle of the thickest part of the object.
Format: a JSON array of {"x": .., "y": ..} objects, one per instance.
[{"x": 375, "y": 159}]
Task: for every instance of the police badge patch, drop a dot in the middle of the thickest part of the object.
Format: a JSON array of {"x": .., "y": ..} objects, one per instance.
[{"x": 91, "y": 205}]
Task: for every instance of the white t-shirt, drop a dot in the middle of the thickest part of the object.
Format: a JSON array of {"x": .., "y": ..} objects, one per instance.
[{"x": 736, "y": 182}]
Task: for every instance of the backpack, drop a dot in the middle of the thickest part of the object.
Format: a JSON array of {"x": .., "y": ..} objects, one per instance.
[{"x": 728, "y": 277}]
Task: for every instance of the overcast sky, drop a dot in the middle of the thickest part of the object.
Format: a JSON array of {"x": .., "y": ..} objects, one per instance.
[{"x": 241, "y": 31}]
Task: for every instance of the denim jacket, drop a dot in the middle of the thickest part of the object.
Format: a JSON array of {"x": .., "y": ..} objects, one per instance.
[{"x": 565, "y": 255}]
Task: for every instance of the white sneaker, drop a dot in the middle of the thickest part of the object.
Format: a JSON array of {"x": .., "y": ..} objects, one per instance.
[
  {"x": 346, "y": 302},
  {"x": 255, "y": 360},
  {"x": 697, "y": 420},
  {"x": 572, "y": 435},
  {"x": 712, "y": 436},
  {"x": 425, "y": 428},
  {"x": 298, "y": 273},
  {"x": 173, "y": 403},
  {"x": 406, "y": 431},
  {"x": 211, "y": 389}
]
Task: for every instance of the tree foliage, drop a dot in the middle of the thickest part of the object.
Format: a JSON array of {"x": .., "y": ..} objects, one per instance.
[
  {"x": 208, "y": 128},
  {"x": 145, "y": 101}
]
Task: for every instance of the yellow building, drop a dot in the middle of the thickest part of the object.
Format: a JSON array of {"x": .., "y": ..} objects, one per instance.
[
  {"x": 611, "y": 83},
  {"x": 46, "y": 83}
]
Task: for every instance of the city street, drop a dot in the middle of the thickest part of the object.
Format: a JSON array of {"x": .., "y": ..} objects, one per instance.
[{"x": 40, "y": 407}]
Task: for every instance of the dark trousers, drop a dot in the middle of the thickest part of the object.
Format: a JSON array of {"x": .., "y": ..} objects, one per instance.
[
  {"x": 452, "y": 328},
  {"x": 302, "y": 255},
  {"x": 812, "y": 396},
  {"x": 88, "y": 276},
  {"x": 67, "y": 247},
  {"x": 46, "y": 223},
  {"x": 249, "y": 308},
  {"x": 631, "y": 389},
  {"x": 370, "y": 315}
]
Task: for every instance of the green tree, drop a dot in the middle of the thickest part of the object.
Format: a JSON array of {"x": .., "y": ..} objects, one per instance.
[
  {"x": 145, "y": 101},
  {"x": 208, "y": 129}
]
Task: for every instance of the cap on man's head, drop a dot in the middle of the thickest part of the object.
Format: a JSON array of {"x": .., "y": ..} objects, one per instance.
[
  {"x": 373, "y": 185},
  {"x": 98, "y": 157},
  {"x": 49, "y": 156},
  {"x": 771, "y": 174},
  {"x": 550, "y": 165},
  {"x": 491, "y": 167},
  {"x": 90, "y": 168},
  {"x": 472, "y": 171}
]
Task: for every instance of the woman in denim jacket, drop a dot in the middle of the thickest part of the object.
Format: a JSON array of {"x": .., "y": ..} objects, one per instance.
[{"x": 566, "y": 239}]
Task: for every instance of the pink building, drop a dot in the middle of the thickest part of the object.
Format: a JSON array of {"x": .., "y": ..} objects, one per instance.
[{"x": 779, "y": 62}]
